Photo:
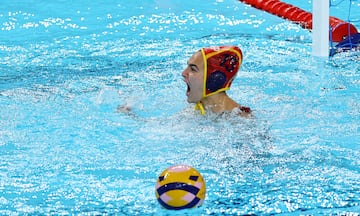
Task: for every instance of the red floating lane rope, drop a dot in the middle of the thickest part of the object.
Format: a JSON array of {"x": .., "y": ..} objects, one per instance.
[{"x": 339, "y": 28}]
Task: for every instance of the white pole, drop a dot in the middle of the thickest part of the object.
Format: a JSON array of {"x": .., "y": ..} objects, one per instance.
[{"x": 320, "y": 28}]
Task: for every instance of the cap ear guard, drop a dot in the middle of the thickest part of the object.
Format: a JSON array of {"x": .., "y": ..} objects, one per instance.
[{"x": 215, "y": 81}]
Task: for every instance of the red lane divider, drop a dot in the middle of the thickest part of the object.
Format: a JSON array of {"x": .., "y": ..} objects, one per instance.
[{"x": 339, "y": 28}]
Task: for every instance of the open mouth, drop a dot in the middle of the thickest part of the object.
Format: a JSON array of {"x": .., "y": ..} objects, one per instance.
[{"x": 187, "y": 90}]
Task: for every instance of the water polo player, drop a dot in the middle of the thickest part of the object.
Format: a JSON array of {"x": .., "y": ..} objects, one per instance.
[{"x": 209, "y": 74}]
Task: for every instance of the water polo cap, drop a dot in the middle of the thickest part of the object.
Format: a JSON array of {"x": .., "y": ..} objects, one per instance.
[{"x": 221, "y": 65}]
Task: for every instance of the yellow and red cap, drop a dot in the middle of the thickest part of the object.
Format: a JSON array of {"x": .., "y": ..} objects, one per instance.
[{"x": 221, "y": 65}]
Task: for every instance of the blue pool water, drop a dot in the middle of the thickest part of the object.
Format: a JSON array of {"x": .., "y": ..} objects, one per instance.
[{"x": 65, "y": 67}]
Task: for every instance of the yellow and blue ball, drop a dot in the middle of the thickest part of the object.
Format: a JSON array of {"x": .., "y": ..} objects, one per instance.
[{"x": 180, "y": 187}]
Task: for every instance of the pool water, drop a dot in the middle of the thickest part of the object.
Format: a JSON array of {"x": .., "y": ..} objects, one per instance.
[{"x": 65, "y": 149}]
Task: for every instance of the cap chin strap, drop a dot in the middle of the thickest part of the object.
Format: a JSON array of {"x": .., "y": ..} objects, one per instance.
[{"x": 200, "y": 107}]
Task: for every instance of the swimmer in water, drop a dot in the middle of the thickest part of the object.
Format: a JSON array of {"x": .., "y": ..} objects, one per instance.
[{"x": 208, "y": 75}]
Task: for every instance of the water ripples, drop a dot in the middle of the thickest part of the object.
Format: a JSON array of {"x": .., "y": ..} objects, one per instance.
[{"x": 66, "y": 150}]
